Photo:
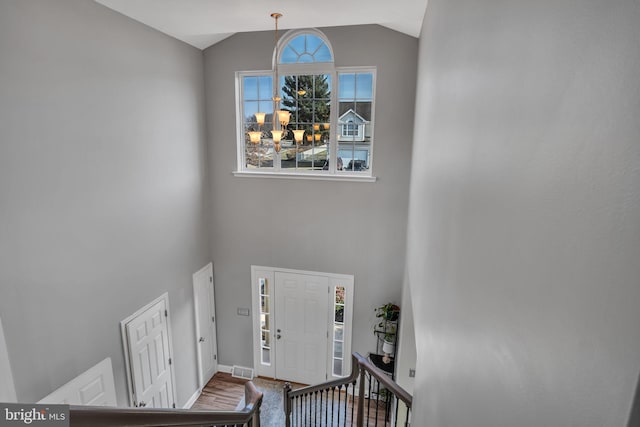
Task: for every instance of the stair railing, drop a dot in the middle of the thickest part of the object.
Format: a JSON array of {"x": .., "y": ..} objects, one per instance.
[
  {"x": 249, "y": 416},
  {"x": 379, "y": 401}
]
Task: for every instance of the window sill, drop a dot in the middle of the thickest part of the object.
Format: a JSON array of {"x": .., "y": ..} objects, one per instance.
[{"x": 310, "y": 176}]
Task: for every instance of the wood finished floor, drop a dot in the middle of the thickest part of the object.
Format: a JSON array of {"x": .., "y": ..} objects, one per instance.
[{"x": 224, "y": 392}]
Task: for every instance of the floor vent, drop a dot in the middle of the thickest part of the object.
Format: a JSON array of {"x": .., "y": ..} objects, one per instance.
[{"x": 242, "y": 372}]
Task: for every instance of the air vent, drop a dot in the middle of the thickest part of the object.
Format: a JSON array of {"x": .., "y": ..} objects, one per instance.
[{"x": 242, "y": 372}]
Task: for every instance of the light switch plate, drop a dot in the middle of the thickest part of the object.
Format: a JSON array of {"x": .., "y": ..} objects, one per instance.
[{"x": 243, "y": 311}]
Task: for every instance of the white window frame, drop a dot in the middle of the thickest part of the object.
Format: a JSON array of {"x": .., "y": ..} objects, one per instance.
[
  {"x": 304, "y": 69},
  {"x": 345, "y": 280}
]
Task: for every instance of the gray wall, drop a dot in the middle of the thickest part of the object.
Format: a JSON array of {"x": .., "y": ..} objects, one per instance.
[
  {"x": 102, "y": 177},
  {"x": 524, "y": 224},
  {"x": 339, "y": 227}
]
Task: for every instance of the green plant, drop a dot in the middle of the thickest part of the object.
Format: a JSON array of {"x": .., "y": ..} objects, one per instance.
[{"x": 387, "y": 313}]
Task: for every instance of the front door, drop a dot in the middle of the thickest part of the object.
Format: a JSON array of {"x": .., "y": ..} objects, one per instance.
[
  {"x": 301, "y": 330},
  {"x": 148, "y": 343},
  {"x": 205, "y": 324}
]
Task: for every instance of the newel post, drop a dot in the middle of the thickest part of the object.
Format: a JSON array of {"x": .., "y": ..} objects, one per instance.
[
  {"x": 360, "y": 417},
  {"x": 287, "y": 404}
]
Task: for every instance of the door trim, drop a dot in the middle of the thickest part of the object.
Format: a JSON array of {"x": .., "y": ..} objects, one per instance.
[
  {"x": 201, "y": 380},
  {"x": 127, "y": 354},
  {"x": 346, "y": 280}
]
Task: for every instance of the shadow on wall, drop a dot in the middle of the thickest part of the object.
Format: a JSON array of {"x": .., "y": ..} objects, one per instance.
[{"x": 634, "y": 418}]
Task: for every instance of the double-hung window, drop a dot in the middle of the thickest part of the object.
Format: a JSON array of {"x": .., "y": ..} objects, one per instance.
[{"x": 318, "y": 119}]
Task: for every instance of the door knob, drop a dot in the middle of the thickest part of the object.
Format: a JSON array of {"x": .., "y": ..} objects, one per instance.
[
  {"x": 279, "y": 330},
  {"x": 201, "y": 339},
  {"x": 278, "y": 336}
]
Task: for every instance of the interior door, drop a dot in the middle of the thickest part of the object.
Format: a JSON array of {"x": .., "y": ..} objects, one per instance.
[
  {"x": 205, "y": 324},
  {"x": 301, "y": 327},
  {"x": 148, "y": 343}
]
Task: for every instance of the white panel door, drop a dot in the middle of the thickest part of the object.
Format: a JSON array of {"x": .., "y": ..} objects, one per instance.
[
  {"x": 94, "y": 387},
  {"x": 301, "y": 327},
  {"x": 148, "y": 342},
  {"x": 205, "y": 324}
]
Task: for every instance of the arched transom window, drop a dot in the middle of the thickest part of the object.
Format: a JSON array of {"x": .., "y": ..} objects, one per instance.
[
  {"x": 316, "y": 121},
  {"x": 306, "y": 48}
]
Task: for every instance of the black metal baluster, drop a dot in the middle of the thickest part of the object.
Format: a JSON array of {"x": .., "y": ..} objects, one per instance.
[
  {"x": 369, "y": 400},
  {"x": 339, "y": 401},
  {"x": 315, "y": 408},
  {"x": 377, "y": 401},
  {"x": 333, "y": 403},
  {"x": 346, "y": 401},
  {"x": 353, "y": 403}
]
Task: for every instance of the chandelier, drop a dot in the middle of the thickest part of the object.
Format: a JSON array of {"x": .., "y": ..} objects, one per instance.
[{"x": 280, "y": 117}]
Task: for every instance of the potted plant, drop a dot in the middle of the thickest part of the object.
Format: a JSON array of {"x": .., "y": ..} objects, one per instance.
[{"x": 388, "y": 315}]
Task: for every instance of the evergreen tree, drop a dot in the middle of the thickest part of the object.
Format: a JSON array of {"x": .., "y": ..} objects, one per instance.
[{"x": 314, "y": 106}]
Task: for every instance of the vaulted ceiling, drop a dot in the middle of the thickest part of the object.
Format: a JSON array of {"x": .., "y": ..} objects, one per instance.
[{"x": 202, "y": 23}]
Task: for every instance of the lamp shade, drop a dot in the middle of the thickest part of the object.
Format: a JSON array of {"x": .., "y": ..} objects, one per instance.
[
  {"x": 260, "y": 118},
  {"x": 317, "y": 136},
  {"x": 276, "y": 135},
  {"x": 254, "y": 136},
  {"x": 283, "y": 117},
  {"x": 298, "y": 134},
  {"x": 316, "y": 126}
]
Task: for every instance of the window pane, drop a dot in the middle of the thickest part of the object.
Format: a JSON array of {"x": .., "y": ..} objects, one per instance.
[
  {"x": 250, "y": 88},
  {"x": 337, "y": 349},
  {"x": 265, "y": 87},
  {"x": 297, "y": 44},
  {"x": 355, "y": 120},
  {"x": 338, "y": 332},
  {"x": 265, "y": 338},
  {"x": 250, "y": 109},
  {"x": 266, "y": 356},
  {"x": 323, "y": 54},
  {"x": 308, "y": 99},
  {"x": 264, "y": 285},
  {"x": 306, "y": 48},
  {"x": 337, "y": 367},
  {"x": 364, "y": 86},
  {"x": 347, "y": 86},
  {"x": 288, "y": 56},
  {"x": 339, "y": 313},
  {"x": 305, "y": 58},
  {"x": 257, "y": 98},
  {"x": 312, "y": 43}
]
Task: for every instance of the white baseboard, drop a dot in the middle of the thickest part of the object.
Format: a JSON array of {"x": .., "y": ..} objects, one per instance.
[
  {"x": 225, "y": 368},
  {"x": 192, "y": 399}
]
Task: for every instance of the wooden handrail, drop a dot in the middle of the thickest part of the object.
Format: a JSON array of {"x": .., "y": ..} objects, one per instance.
[
  {"x": 137, "y": 417},
  {"x": 335, "y": 383},
  {"x": 384, "y": 379},
  {"x": 359, "y": 367}
]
